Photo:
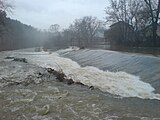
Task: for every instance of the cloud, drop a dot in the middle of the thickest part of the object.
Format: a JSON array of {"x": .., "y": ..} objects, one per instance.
[{"x": 42, "y": 14}]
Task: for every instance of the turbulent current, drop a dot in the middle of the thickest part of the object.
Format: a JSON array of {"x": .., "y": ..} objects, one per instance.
[
  {"x": 117, "y": 83},
  {"x": 126, "y": 85}
]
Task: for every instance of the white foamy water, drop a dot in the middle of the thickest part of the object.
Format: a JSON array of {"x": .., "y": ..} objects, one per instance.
[{"x": 117, "y": 83}]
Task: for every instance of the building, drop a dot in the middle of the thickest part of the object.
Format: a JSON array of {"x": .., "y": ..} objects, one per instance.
[{"x": 120, "y": 34}]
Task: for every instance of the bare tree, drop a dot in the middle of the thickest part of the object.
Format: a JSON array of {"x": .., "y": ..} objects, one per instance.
[
  {"x": 154, "y": 10},
  {"x": 124, "y": 10},
  {"x": 54, "y": 28},
  {"x": 85, "y": 30},
  {"x": 116, "y": 11},
  {"x": 55, "y": 38},
  {"x": 141, "y": 14},
  {"x": 5, "y": 6}
]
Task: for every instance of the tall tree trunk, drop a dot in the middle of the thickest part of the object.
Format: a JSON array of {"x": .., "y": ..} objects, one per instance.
[
  {"x": 154, "y": 33},
  {"x": 155, "y": 25},
  {"x": 154, "y": 21}
]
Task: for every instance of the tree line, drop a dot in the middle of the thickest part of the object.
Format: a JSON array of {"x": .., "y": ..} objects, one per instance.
[
  {"x": 14, "y": 34},
  {"x": 134, "y": 23},
  {"x": 83, "y": 32}
]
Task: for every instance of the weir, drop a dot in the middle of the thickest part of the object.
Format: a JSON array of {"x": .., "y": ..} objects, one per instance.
[
  {"x": 147, "y": 67},
  {"x": 119, "y": 82}
]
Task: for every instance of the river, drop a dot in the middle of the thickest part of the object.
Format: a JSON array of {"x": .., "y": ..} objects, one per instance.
[{"x": 126, "y": 87}]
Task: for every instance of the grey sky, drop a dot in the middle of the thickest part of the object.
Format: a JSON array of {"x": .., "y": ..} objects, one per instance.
[{"x": 42, "y": 13}]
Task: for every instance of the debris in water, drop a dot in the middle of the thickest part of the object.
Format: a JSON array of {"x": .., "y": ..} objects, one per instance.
[
  {"x": 37, "y": 49},
  {"x": 61, "y": 77},
  {"x": 69, "y": 81},
  {"x": 81, "y": 48},
  {"x": 44, "y": 110},
  {"x": 24, "y": 60},
  {"x": 91, "y": 88},
  {"x": 79, "y": 83},
  {"x": 9, "y": 57}
]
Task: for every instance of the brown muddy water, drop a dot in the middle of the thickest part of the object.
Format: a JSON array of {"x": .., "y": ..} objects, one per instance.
[
  {"x": 57, "y": 101},
  {"x": 27, "y": 95}
]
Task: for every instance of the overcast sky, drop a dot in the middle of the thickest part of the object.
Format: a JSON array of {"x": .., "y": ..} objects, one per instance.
[{"x": 42, "y": 13}]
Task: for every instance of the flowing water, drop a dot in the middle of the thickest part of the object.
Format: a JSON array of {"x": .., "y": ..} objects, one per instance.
[
  {"x": 147, "y": 67},
  {"x": 126, "y": 87}
]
